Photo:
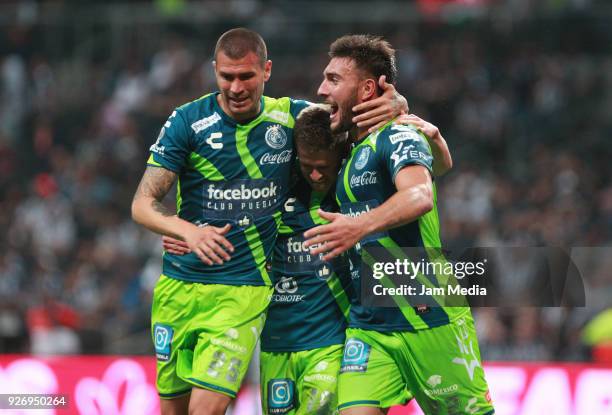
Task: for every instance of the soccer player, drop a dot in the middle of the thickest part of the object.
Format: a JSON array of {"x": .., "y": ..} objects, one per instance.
[
  {"x": 429, "y": 351},
  {"x": 231, "y": 152},
  {"x": 304, "y": 334}
]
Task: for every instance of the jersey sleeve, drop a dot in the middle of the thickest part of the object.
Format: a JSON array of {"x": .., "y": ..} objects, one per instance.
[
  {"x": 297, "y": 105},
  {"x": 172, "y": 148},
  {"x": 404, "y": 145}
]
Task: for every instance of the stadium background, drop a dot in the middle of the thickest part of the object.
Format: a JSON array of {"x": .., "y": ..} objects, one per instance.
[{"x": 521, "y": 89}]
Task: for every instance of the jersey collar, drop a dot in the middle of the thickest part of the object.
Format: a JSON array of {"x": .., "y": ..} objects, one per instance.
[{"x": 229, "y": 119}]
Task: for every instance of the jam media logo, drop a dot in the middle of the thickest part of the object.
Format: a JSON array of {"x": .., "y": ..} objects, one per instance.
[
  {"x": 276, "y": 137},
  {"x": 362, "y": 158},
  {"x": 281, "y": 394},
  {"x": 356, "y": 356},
  {"x": 163, "y": 339}
]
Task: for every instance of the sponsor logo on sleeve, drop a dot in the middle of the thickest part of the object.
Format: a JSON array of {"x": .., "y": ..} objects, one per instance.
[
  {"x": 204, "y": 123},
  {"x": 278, "y": 116}
]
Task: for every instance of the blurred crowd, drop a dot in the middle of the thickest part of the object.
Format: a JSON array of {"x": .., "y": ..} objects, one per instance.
[{"x": 525, "y": 111}]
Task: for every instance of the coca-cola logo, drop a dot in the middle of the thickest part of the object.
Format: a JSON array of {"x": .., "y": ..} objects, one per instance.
[
  {"x": 365, "y": 178},
  {"x": 276, "y": 158}
]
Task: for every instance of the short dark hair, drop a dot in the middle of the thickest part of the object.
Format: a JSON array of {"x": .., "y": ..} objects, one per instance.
[
  {"x": 371, "y": 54},
  {"x": 312, "y": 131},
  {"x": 237, "y": 43}
]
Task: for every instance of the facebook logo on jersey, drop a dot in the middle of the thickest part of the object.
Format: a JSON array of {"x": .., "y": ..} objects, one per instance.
[
  {"x": 162, "y": 337},
  {"x": 230, "y": 199},
  {"x": 281, "y": 396},
  {"x": 355, "y": 357}
]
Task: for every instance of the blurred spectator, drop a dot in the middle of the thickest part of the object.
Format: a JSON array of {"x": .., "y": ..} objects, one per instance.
[{"x": 525, "y": 114}]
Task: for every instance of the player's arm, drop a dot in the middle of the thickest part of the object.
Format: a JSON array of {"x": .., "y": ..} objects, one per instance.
[
  {"x": 442, "y": 159},
  {"x": 375, "y": 113},
  {"x": 148, "y": 210},
  {"x": 414, "y": 198}
]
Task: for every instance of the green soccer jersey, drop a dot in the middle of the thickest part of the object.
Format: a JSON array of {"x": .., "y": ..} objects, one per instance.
[
  {"x": 366, "y": 180},
  {"x": 310, "y": 304},
  {"x": 229, "y": 173}
]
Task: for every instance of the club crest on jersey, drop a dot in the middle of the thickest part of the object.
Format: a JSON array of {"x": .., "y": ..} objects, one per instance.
[
  {"x": 362, "y": 158},
  {"x": 276, "y": 137}
]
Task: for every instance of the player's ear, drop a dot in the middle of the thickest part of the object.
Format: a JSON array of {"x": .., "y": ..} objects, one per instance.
[
  {"x": 267, "y": 70},
  {"x": 214, "y": 65},
  {"x": 368, "y": 89}
]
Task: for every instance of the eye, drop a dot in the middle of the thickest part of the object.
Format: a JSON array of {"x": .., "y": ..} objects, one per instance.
[{"x": 246, "y": 77}]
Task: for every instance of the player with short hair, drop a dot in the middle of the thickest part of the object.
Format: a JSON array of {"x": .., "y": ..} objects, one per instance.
[
  {"x": 430, "y": 351},
  {"x": 232, "y": 153},
  {"x": 302, "y": 341},
  {"x": 304, "y": 334}
]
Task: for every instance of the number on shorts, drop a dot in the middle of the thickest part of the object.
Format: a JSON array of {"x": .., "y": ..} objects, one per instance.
[
  {"x": 233, "y": 370},
  {"x": 218, "y": 360}
]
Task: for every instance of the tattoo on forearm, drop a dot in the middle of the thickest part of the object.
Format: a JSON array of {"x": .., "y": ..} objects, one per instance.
[{"x": 156, "y": 183}]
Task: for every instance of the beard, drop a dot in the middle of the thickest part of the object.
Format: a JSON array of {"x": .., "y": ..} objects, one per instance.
[{"x": 346, "y": 114}]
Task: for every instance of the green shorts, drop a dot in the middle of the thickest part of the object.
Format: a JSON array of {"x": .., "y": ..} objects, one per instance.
[
  {"x": 440, "y": 366},
  {"x": 299, "y": 383},
  {"x": 205, "y": 334}
]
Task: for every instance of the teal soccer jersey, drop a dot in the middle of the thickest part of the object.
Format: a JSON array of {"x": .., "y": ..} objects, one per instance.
[
  {"x": 229, "y": 173},
  {"x": 366, "y": 180},
  {"x": 309, "y": 307}
]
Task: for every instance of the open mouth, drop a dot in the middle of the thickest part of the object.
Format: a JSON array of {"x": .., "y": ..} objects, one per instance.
[
  {"x": 334, "y": 111},
  {"x": 238, "y": 101}
]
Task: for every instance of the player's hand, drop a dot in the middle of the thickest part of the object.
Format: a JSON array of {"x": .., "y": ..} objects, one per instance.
[
  {"x": 431, "y": 131},
  {"x": 335, "y": 237},
  {"x": 209, "y": 243},
  {"x": 379, "y": 111},
  {"x": 175, "y": 246}
]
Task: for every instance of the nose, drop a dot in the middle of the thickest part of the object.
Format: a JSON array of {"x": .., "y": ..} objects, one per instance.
[
  {"x": 323, "y": 90},
  {"x": 315, "y": 175},
  {"x": 236, "y": 87}
]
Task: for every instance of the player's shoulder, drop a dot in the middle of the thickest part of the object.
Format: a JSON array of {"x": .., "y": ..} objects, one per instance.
[
  {"x": 283, "y": 110},
  {"x": 392, "y": 134},
  {"x": 205, "y": 105},
  {"x": 200, "y": 113}
]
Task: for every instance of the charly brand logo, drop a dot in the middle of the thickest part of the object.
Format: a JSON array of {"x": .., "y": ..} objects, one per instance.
[
  {"x": 276, "y": 137},
  {"x": 362, "y": 158},
  {"x": 276, "y": 158},
  {"x": 363, "y": 179}
]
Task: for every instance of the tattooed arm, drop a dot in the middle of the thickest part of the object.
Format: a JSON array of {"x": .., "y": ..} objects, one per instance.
[
  {"x": 209, "y": 242},
  {"x": 147, "y": 207}
]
